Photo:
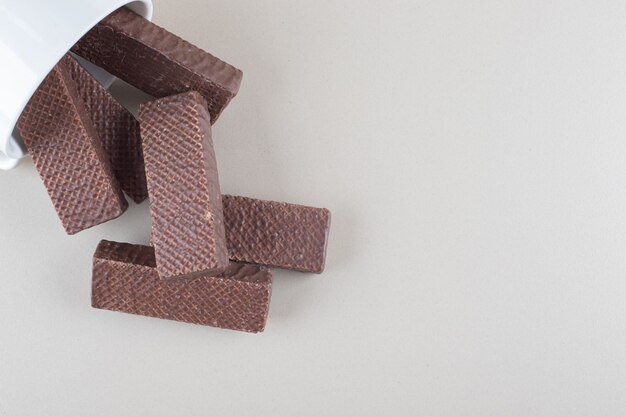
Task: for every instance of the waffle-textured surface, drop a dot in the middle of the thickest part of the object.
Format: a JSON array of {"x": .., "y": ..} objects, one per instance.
[
  {"x": 125, "y": 280},
  {"x": 118, "y": 131},
  {"x": 276, "y": 234},
  {"x": 157, "y": 61},
  {"x": 68, "y": 154},
  {"x": 183, "y": 184}
]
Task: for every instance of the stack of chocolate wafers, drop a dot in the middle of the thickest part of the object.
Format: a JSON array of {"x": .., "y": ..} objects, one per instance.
[{"x": 210, "y": 254}]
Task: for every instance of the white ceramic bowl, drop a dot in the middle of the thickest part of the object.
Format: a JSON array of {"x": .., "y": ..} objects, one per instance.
[{"x": 34, "y": 36}]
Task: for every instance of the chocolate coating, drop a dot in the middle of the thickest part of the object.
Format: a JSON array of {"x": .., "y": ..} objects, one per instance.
[
  {"x": 183, "y": 184},
  {"x": 157, "y": 61},
  {"x": 118, "y": 131},
  {"x": 68, "y": 155},
  {"x": 276, "y": 234},
  {"x": 125, "y": 280}
]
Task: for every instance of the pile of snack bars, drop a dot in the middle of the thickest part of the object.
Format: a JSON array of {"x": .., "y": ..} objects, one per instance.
[{"x": 209, "y": 255}]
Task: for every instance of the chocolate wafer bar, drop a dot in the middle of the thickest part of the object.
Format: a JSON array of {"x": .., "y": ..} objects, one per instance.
[
  {"x": 276, "y": 234},
  {"x": 67, "y": 152},
  {"x": 125, "y": 279},
  {"x": 157, "y": 61},
  {"x": 118, "y": 131},
  {"x": 183, "y": 184}
]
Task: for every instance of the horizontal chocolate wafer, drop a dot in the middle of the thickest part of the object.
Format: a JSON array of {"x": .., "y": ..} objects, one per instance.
[
  {"x": 276, "y": 234},
  {"x": 68, "y": 154},
  {"x": 118, "y": 131},
  {"x": 183, "y": 184},
  {"x": 125, "y": 279},
  {"x": 157, "y": 61}
]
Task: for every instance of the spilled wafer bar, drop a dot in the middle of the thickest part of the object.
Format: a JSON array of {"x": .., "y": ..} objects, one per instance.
[
  {"x": 67, "y": 152},
  {"x": 157, "y": 61},
  {"x": 276, "y": 234},
  {"x": 118, "y": 131},
  {"x": 183, "y": 184},
  {"x": 125, "y": 279}
]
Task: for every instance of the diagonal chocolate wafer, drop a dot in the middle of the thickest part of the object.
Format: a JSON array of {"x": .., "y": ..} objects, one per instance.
[
  {"x": 157, "y": 61},
  {"x": 125, "y": 279},
  {"x": 183, "y": 184},
  {"x": 276, "y": 234},
  {"x": 68, "y": 154},
  {"x": 118, "y": 131}
]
